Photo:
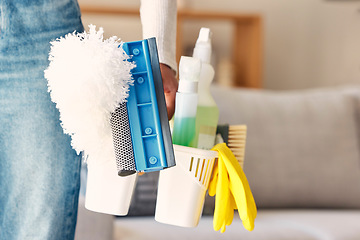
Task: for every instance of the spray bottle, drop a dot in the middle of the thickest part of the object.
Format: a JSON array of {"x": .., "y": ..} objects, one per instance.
[
  {"x": 207, "y": 111},
  {"x": 186, "y": 102}
]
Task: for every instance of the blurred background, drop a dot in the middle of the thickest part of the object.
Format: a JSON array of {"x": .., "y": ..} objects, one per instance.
[
  {"x": 271, "y": 44},
  {"x": 305, "y": 137}
]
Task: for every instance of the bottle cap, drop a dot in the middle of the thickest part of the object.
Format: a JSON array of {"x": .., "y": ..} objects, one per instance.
[
  {"x": 202, "y": 48},
  {"x": 189, "y": 73}
]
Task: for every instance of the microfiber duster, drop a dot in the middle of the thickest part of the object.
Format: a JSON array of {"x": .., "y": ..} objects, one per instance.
[{"x": 88, "y": 78}]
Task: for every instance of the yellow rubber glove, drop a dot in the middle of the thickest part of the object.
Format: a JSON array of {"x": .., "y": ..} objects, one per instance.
[{"x": 232, "y": 191}]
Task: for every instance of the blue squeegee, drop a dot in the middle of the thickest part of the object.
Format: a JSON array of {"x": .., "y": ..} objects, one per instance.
[{"x": 140, "y": 127}]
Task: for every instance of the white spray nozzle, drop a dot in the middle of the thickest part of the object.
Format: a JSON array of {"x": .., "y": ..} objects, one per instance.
[
  {"x": 204, "y": 36},
  {"x": 189, "y": 73},
  {"x": 202, "y": 48}
]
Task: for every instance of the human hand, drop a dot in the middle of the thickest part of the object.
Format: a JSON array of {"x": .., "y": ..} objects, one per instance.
[{"x": 170, "y": 87}]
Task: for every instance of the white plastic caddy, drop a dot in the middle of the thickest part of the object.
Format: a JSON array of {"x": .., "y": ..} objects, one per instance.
[{"x": 182, "y": 189}]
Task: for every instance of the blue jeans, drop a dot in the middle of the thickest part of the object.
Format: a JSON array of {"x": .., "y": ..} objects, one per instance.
[{"x": 39, "y": 171}]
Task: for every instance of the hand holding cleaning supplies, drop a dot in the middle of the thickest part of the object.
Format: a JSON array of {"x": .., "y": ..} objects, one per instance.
[
  {"x": 207, "y": 111},
  {"x": 186, "y": 102}
]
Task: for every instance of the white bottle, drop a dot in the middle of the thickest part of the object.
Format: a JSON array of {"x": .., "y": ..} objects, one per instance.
[
  {"x": 186, "y": 102},
  {"x": 207, "y": 111}
]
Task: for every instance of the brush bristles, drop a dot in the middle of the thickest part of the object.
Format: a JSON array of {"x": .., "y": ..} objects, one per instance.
[{"x": 237, "y": 142}]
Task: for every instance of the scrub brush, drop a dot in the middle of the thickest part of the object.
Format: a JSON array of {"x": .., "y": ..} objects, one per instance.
[{"x": 235, "y": 138}]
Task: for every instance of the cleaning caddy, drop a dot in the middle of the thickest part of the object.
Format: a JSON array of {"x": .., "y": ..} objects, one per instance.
[
  {"x": 111, "y": 101},
  {"x": 182, "y": 189}
]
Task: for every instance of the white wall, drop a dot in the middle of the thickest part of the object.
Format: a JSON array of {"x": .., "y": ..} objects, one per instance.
[{"x": 308, "y": 43}]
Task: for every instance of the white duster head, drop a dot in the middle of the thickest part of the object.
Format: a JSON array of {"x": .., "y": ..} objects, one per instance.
[{"x": 88, "y": 77}]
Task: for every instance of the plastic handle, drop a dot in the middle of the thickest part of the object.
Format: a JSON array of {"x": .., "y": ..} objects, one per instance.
[{"x": 150, "y": 131}]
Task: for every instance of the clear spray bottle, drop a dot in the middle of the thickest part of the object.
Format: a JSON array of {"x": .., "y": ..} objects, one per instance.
[
  {"x": 186, "y": 102},
  {"x": 207, "y": 111}
]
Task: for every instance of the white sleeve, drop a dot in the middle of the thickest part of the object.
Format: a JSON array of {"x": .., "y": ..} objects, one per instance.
[{"x": 158, "y": 18}]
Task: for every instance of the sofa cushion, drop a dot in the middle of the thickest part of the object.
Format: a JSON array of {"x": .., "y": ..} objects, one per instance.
[
  {"x": 270, "y": 225},
  {"x": 302, "y": 148}
]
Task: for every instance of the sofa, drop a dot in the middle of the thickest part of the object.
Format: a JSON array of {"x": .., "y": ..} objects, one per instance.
[{"x": 302, "y": 162}]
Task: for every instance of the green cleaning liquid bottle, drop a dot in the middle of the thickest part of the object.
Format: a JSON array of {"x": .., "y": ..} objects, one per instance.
[
  {"x": 207, "y": 111},
  {"x": 186, "y": 102}
]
